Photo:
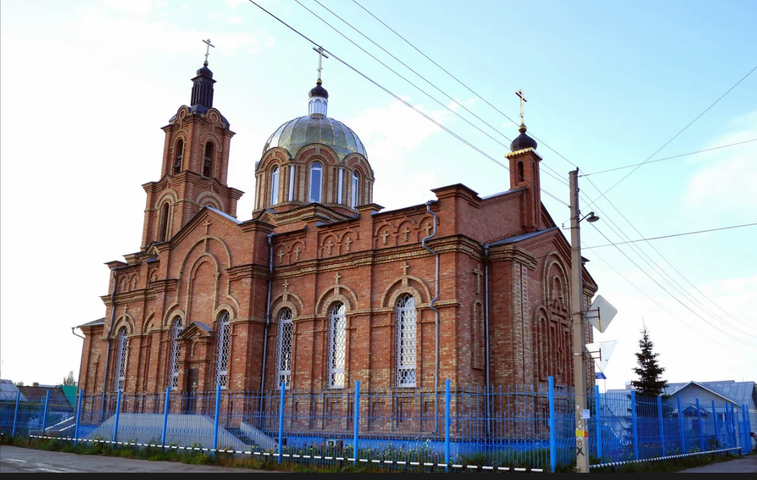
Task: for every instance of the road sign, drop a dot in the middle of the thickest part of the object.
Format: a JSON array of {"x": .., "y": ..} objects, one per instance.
[
  {"x": 601, "y": 313},
  {"x": 601, "y": 352}
]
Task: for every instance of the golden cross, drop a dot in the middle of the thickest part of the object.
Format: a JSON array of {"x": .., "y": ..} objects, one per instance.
[
  {"x": 519, "y": 93},
  {"x": 207, "y": 49}
]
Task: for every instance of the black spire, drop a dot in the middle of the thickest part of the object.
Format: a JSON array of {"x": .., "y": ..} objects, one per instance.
[{"x": 202, "y": 90}]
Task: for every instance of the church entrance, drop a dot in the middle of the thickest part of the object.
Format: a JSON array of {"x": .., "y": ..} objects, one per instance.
[{"x": 189, "y": 403}]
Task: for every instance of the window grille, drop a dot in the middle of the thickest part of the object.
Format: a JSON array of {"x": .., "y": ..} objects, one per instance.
[
  {"x": 175, "y": 353},
  {"x": 285, "y": 347},
  {"x": 406, "y": 316},
  {"x": 337, "y": 340},
  {"x": 316, "y": 170},
  {"x": 355, "y": 189},
  {"x": 121, "y": 343},
  {"x": 275, "y": 186},
  {"x": 222, "y": 354}
]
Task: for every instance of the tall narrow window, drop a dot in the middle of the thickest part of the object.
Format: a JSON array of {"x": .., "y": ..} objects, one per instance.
[
  {"x": 337, "y": 341},
  {"x": 163, "y": 224},
  {"x": 275, "y": 186},
  {"x": 520, "y": 172},
  {"x": 405, "y": 311},
  {"x": 355, "y": 189},
  {"x": 222, "y": 352},
  {"x": 177, "y": 160},
  {"x": 175, "y": 353},
  {"x": 339, "y": 186},
  {"x": 292, "y": 172},
  {"x": 316, "y": 172},
  {"x": 284, "y": 361},
  {"x": 121, "y": 344},
  {"x": 207, "y": 168}
]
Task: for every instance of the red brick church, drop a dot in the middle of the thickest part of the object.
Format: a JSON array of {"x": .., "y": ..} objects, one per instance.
[{"x": 321, "y": 287}]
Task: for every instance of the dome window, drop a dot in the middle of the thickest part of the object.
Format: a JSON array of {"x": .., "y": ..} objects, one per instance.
[
  {"x": 355, "y": 189},
  {"x": 275, "y": 186},
  {"x": 316, "y": 174}
]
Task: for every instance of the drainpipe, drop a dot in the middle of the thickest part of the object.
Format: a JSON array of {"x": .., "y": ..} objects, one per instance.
[
  {"x": 486, "y": 336},
  {"x": 267, "y": 319},
  {"x": 76, "y": 334},
  {"x": 436, "y": 316}
]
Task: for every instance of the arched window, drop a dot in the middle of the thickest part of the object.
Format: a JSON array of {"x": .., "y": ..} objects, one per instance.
[
  {"x": 520, "y": 172},
  {"x": 222, "y": 352},
  {"x": 175, "y": 352},
  {"x": 355, "y": 189},
  {"x": 405, "y": 311},
  {"x": 316, "y": 172},
  {"x": 207, "y": 169},
  {"x": 121, "y": 344},
  {"x": 177, "y": 161},
  {"x": 337, "y": 340},
  {"x": 163, "y": 224},
  {"x": 284, "y": 360},
  {"x": 340, "y": 186},
  {"x": 275, "y": 186}
]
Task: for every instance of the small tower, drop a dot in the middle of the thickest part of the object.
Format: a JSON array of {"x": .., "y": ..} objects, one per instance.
[
  {"x": 524, "y": 173},
  {"x": 195, "y": 165}
]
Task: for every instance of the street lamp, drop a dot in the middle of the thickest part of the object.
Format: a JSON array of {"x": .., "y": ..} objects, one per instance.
[{"x": 577, "y": 314}]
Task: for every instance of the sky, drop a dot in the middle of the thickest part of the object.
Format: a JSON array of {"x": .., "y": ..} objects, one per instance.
[{"x": 85, "y": 87}]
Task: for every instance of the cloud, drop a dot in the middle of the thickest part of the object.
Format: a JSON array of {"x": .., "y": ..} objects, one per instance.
[
  {"x": 134, "y": 7},
  {"x": 235, "y": 20},
  {"x": 727, "y": 178}
]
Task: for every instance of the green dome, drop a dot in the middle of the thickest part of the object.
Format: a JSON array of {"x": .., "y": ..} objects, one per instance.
[{"x": 320, "y": 129}]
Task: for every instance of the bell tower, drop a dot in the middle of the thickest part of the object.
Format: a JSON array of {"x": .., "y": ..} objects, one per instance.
[{"x": 195, "y": 165}]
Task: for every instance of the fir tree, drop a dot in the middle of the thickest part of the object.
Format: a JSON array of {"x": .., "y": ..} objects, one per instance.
[
  {"x": 68, "y": 380},
  {"x": 649, "y": 371}
]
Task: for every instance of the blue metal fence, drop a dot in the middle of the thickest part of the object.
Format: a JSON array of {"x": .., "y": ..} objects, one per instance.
[{"x": 499, "y": 429}]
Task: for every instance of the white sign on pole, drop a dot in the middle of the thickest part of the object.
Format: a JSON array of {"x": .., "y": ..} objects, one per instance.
[
  {"x": 601, "y": 352},
  {"x": 601, "y": 313}
]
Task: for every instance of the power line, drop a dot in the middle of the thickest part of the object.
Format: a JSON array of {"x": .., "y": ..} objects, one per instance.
[
  {"x": 677, "y": 134},
  {"x": 686, "y": 324},
  {"x": 404, "y": 102},
  {"x": 669, "y": 158},
  {"x": 671, "y": 295},
  {"x": 670, "y": 236}
]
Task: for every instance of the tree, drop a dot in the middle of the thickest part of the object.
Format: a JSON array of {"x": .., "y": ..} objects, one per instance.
[
  {"x": 649, "y": 371},
  {"x": 68, "y": 380},
  {"x": 20, "y": 383}
]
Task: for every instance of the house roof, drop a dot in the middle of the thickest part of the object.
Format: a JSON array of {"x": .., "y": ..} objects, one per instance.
[
  {"x": 737, "y": 392},
  {"x": 8, "y": 391},
  {"x": 99, "y": 321},
  {"x": 519, "y": 238}
]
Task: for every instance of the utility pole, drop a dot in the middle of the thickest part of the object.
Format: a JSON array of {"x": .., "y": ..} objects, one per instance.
[{"x": 579, "y": 369}]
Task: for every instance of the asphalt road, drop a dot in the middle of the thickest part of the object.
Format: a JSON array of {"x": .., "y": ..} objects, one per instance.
[{"x": 27, "y": 460}]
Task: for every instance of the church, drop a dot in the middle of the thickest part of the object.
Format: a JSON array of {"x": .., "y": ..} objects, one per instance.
[{"x": 322, "y": 287}]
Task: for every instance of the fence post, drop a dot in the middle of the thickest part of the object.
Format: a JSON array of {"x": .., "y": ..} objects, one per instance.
[
  {"x": 216, "y": 419},
  {"x": 552, "y": 432},
  {"x": 44, "y": 413},
  {"x": 78, "y": 417},
  {"x": 680, "y": 424},
  {"x": 701, "y": 427},
  {"x": 598, "y": 415},
  {"x": 715, "y": 425},
  {"x": 166, "y": 403},
  {"x": 733, "y": 425},
  {"x": 635, "y": 431},
  {"x": 118, "y": 413},
  {"x": 747, "y": 437},
  {"x": 447, "y": 421},
  {"x": 659, "y": 419},
  {"x": 357, "y": 420},
  {"x": 281, "y": 418},
  {"x": 15, "y": 413}
]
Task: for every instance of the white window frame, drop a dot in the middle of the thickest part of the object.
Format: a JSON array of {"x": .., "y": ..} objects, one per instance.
[
  {"x": 292, "y": 171},
  {"x": 337, "y": 345},
  {"x": 285, "y": 348},
  {"x": 316, "y": 166},
  {"x": 339, "y": 186},
  {"x": 275, "y": 185},
  {"x": 355, "y": 189},
  {"x": 406, "y": 316},
  {"x": 223, "y": 350}
]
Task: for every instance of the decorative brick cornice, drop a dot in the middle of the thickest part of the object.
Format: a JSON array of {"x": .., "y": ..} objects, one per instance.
[{"x": 512, "y": 253}]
